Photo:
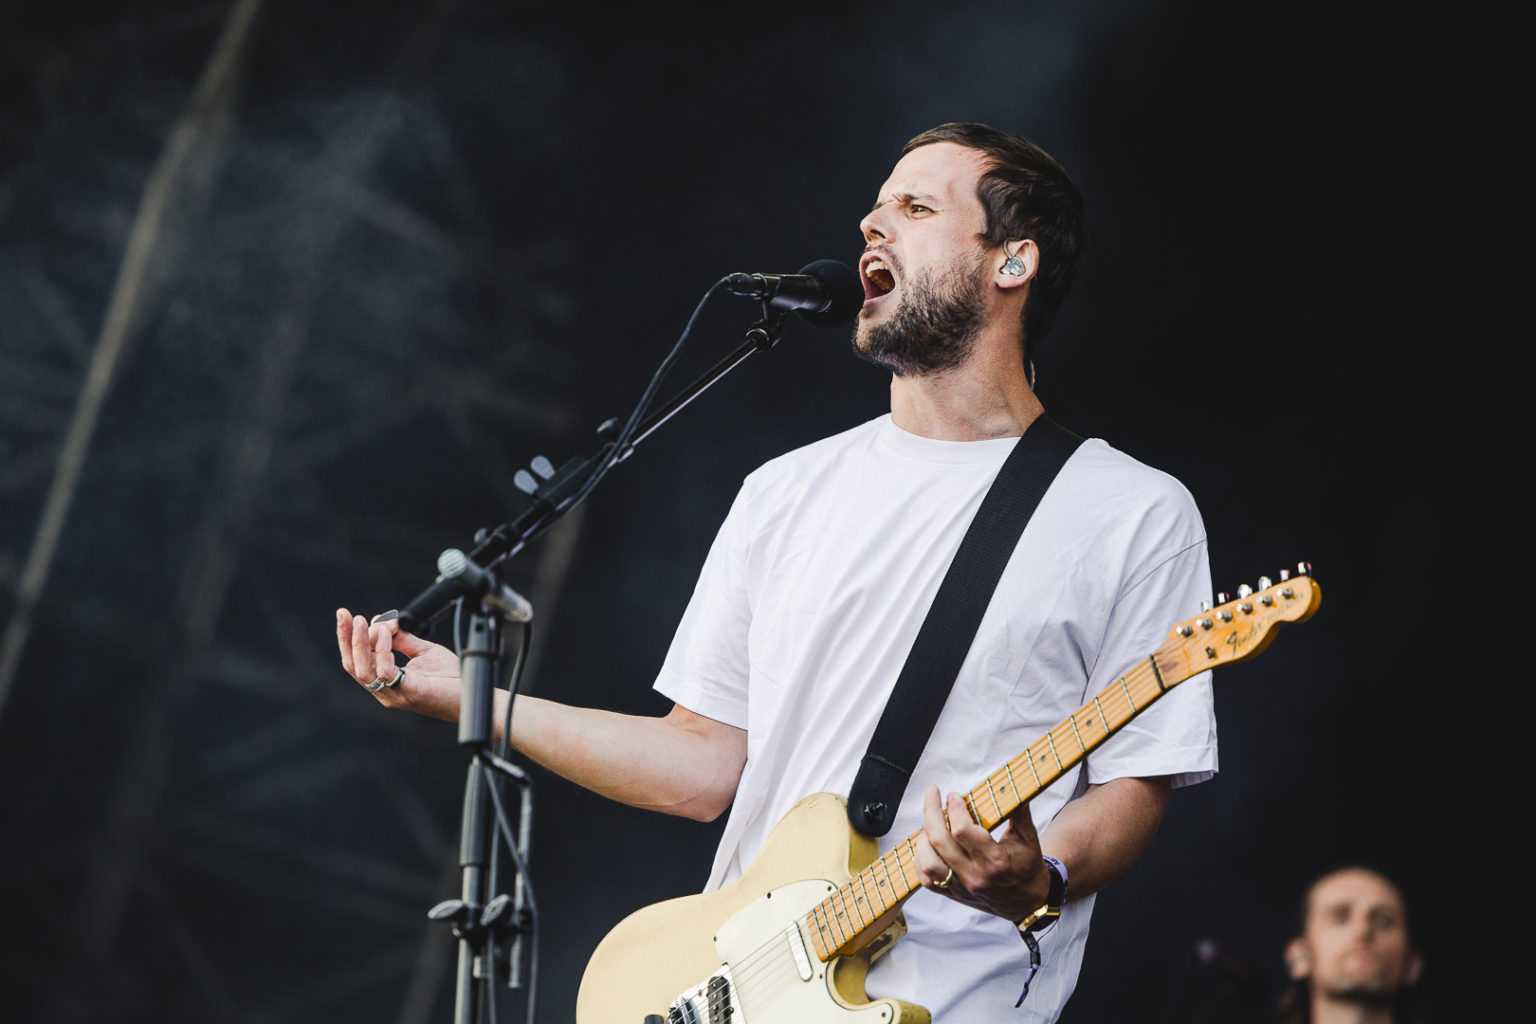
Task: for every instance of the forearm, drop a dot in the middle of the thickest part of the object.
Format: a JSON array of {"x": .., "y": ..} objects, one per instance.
[
  {"x": 680, "y": 764},
  {"x": 1101, "y": 833}
]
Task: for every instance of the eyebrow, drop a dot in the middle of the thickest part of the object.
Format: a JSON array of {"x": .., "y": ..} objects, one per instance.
[{"x": 902, "y": 197}]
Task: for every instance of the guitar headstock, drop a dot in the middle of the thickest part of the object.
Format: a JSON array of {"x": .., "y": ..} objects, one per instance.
[{"x": 1238, "y": 629}]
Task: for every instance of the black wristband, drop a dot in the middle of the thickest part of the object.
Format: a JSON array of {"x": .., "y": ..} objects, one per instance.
[{"x": 1055, "y": 896}]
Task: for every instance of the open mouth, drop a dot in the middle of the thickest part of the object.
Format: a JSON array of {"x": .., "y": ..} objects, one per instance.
[{"x": 878, "y": 279}]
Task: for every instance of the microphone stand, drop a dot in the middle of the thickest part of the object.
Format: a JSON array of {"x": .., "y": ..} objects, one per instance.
[{"x": 484, "y": 921}]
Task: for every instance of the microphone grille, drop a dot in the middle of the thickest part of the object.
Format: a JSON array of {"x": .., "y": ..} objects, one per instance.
[{"x": 844, "y": 290}]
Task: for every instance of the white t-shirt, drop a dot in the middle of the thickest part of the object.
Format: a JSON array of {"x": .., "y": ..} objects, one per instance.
[{"x": 811, "y": 597}]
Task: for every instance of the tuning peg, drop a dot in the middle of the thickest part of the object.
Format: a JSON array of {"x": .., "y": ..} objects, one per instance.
[
  {"x": 543, "y": 466},
  {"x": 1303, "y": 569},
  {"x": 1285, "y": 574},
  {"x": 1244, "y": 590},
  {"x": 1221, "y": 598},
  {"x": 1205, "y": 606},
  {"x": 524, "y": 481},
  {"x": 1263, "y": 582}
]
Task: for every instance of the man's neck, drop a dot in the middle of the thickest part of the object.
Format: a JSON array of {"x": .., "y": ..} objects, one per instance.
[
  {"x": 1338, "y": 1011},
  {"x": 983, "y": 399}
]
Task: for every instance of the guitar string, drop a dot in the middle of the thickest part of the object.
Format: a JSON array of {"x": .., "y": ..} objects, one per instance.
[
  {"x": 1140, "y": 678},
  {"x": 755, "y": 974}
]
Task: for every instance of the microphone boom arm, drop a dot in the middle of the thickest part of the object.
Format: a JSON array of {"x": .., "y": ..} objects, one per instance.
[{"x": 553, "y": 497}]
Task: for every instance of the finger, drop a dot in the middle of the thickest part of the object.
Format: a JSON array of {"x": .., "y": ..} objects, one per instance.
[
  {"x": 383, "y": 660},
  {"x": 344, "y": 637},
  {"x": 940, "y": 824},
  {"x": 362, "y": 650},
  {"x": 411, "y": 645},
  {"x": 973, "y": 841},
  {"x": 930, "y": 866},
  {"x": 936, "y": 836},
  {"x": 1021, "y": 829}
]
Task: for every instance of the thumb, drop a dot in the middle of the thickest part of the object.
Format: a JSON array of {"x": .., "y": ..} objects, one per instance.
[
  {"x": 1021, "y": 826},
  {"x": 411, "y": 645}
]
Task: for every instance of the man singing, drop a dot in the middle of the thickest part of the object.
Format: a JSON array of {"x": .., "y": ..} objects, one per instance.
[{"x": 821, "y": 575}]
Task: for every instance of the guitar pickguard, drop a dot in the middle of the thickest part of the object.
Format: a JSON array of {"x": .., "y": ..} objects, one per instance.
[{"x": 664, "y": 957}]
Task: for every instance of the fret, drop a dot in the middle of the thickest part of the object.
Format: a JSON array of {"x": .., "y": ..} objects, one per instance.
[
  {"x": 877, "y": 901},
  {"x": 868, "y": 905},
  {"x": 840, "y": 917},
  {"x": 1008, "y": 770},
  {"x": 853, "y": 895},
  {"x": 1103, "y": 718},
  {"x": 912, "y": 877},
  {"x": 825, "y": 933},
  {"x": 896, "y": 895},
  {"x": 997, "y": 808},
  {"x": 1052, "y": 742},
  {"x": 840, "y": 920},
  {"x": 1031, "y": 762}
]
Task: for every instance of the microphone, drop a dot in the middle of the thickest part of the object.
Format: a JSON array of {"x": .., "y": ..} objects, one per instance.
[
  {"x": 455, "y": 567},
  {"x": 827, "y": 293}
]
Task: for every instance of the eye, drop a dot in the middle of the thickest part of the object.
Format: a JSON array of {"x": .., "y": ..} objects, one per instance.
[{"x": 919, "y": 208}]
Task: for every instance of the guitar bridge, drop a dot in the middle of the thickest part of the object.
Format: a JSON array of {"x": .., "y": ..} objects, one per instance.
[{"x": 713, "y": 1002}]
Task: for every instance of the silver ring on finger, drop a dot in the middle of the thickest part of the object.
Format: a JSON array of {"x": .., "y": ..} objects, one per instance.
[{"x": 381, "y": 682}]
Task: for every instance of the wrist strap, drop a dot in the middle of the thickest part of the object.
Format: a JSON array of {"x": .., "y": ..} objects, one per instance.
[
  {"x": 1055, "y": 896},
  {"x": 1042, "y": 919}
]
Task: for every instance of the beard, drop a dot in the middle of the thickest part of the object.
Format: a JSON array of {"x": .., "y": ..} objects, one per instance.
[{"x": 935, "y": 325}]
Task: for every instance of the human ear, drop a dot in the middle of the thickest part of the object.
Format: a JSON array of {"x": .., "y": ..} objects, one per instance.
[
  {"x": 1023, "y": 259},
  {"x": 1298, "y": 959}
]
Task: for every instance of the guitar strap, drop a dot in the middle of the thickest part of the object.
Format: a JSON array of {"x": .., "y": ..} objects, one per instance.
[{"x": 946, "y": 634}]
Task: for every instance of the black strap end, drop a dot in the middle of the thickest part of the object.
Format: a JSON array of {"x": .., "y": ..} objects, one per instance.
[{"x": 875, "y": 795}]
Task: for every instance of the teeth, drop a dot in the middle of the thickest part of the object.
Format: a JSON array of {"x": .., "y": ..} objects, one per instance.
[{"x": 879, "y": 276}]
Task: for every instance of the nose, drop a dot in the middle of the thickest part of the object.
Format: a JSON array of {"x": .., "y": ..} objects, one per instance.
[{"x": 875, "y": 225}]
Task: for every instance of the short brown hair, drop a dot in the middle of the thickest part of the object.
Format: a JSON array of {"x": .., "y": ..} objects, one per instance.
[{"x": 1026, "y": 194}]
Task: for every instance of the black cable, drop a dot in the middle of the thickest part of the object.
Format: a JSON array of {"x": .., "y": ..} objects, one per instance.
[
  {"x": 504, "y": 747},
  {"x": 533, "y": 903},
  {"x": 606, "y": 462},
  {"x": 644, "y": 405},
  {"x": 621, "y": 442},
  {"x": 503, "y": 833}
]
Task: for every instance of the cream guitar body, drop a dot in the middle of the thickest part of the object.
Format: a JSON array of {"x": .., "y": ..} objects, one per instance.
[
  {"x": 790, "y": 941},
  {"x": 745, "y": 946}
]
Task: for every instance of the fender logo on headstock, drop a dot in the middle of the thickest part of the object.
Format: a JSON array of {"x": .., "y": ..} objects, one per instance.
[{"x": 1254, "y": 617}]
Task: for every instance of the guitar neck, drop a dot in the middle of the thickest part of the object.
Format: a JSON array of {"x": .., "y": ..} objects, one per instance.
[
  {"x": 845, "y": 921},
  {"x": 1236, "y": 631}
]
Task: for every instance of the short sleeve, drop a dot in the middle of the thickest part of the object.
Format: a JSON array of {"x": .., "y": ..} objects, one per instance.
[
  {"x": 706, "y": 669},
  {"x": 1177, "y": 735}
]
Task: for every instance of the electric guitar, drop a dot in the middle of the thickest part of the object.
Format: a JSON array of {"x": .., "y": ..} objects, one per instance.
[{"x": 791, "y": 940}]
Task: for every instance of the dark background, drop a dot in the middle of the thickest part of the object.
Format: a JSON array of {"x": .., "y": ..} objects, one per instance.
[{"x": 289, "y": 292}]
